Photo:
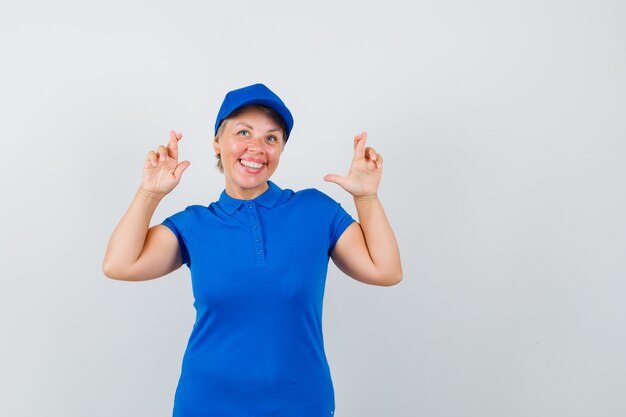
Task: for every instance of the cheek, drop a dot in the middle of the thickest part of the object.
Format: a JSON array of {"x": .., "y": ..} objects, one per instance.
[
  {"x": 274, "y": 154},
  {"x": 233, "y": 149}
]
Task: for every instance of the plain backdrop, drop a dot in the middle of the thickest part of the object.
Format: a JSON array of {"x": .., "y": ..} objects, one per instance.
[{"x": 502, "y": 125}]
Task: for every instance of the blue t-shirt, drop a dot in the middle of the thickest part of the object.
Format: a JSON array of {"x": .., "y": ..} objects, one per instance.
[{"x": 258, "y": 270}]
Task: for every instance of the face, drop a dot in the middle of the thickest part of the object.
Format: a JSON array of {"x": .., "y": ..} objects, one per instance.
[{"x": 250, "y": 147}]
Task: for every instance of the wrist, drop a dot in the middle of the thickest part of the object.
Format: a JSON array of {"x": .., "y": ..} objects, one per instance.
[
  {"x": 149, "y": 195},
  {"x": 366, "y": 197}
]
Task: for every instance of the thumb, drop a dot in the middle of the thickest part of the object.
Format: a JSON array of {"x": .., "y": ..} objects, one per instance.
[
  {"x": 337, "y": 179},
  {"x": 180, "y": 168}
]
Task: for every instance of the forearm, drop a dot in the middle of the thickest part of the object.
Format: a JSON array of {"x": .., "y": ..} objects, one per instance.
[
  {"x": 129, "y": 236},
  {"x": 379, "y": 237}
]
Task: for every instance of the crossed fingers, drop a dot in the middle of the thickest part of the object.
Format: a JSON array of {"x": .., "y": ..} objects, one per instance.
[
  {"x": 366, "y": 153},
  {"x": 162, "y": 152},
  {"x": 370, "y": 153}
]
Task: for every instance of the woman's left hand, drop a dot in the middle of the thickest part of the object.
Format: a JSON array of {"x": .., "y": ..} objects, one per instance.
[{"x": 365, "y": 172}]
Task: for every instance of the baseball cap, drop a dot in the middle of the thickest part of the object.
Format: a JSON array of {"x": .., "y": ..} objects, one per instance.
[{"x": 253, "y": 94}]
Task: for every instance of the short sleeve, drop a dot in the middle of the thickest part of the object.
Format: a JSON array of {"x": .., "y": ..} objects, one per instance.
[
  {"x": 339, "y": 222},
  {"x": 335, "y": 218},
  {"x": 176, "y": 223}
]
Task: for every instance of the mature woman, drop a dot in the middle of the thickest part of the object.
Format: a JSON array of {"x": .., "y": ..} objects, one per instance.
[{"x": 258, "y": 258}]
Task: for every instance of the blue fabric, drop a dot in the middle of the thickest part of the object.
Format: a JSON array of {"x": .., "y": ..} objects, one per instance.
[{"x": 258, "y": 270}]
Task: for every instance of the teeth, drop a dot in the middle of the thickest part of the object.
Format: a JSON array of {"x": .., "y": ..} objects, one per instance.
[{"x": 250, "y": 164}]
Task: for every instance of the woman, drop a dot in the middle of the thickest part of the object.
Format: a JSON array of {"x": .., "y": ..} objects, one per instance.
[{"x": 258, "y": 258}]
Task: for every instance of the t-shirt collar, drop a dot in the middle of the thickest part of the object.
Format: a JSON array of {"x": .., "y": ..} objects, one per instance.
[{"x": 268, "y": 199}]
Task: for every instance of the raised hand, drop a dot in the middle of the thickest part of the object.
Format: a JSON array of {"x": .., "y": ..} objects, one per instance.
[
  {"x": 161, "y": 170},
  {"x": 365, "y": 172}
]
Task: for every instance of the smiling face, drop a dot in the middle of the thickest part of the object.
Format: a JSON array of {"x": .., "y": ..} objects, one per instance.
[{"x": 249, "y": 144}]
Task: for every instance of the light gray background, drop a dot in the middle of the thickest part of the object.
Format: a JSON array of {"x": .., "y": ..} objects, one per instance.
[{"x": 502, "y": 125}]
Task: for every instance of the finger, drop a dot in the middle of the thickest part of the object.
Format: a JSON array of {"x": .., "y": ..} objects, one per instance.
[
  {"x": 173, "y": 145},
  {"x": 151, "y": 158},
  {"x": 379, "y": 161},
  {"x": 359, "y": 145},
  {"x": 180, "y": 168},
  {"x": 337, "y": 179},
  {"x": 371, "y": 153},
  {"x": 162, "y": 153}
]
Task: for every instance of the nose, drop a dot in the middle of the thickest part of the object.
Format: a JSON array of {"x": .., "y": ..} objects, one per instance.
[{"x": 256, "y": 142}]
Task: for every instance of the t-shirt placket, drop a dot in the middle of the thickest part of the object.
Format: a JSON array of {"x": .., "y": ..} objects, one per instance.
[{"x": 257, "y": 235}]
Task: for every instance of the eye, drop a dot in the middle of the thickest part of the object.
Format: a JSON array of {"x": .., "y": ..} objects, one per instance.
[
  {"x": 244, "y": 133},
  {"x": 272, "y": 138}
]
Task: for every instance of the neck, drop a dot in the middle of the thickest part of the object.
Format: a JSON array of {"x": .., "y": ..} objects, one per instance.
[{"x": 246, "y": 194}]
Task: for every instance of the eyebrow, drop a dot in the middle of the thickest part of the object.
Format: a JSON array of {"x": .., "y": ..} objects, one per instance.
[{"x": 251, "y": 128}]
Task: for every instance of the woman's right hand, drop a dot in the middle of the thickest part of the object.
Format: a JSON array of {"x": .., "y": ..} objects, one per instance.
[{"x": 162, "y": 171}]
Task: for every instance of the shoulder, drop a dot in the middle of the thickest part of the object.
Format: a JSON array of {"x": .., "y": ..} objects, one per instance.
[
  {"x": 193, "y": 210},
  {"x": 189, "y": 214},
  {"x": 308, "y": 199},
  {"x": 313, "y": 195},
  {"x": 313, "y": 200}
]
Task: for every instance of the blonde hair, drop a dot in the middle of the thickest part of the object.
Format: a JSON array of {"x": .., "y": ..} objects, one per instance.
[{"x": 270, "y": 112}]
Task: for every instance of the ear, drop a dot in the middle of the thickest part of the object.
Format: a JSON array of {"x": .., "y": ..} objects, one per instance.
[{"x": 216, "y": 146}]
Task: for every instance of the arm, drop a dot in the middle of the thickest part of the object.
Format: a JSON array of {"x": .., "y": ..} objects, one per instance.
[
  {"x": 367, "y": 251},
  {"x": 136, "y": 252}
]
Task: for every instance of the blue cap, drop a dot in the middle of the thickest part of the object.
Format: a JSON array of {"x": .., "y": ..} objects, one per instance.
[{"x": 253, "y": 94}]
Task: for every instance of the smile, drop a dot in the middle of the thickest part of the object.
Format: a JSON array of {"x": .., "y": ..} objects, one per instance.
[{"x": 250, "y": 164}]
